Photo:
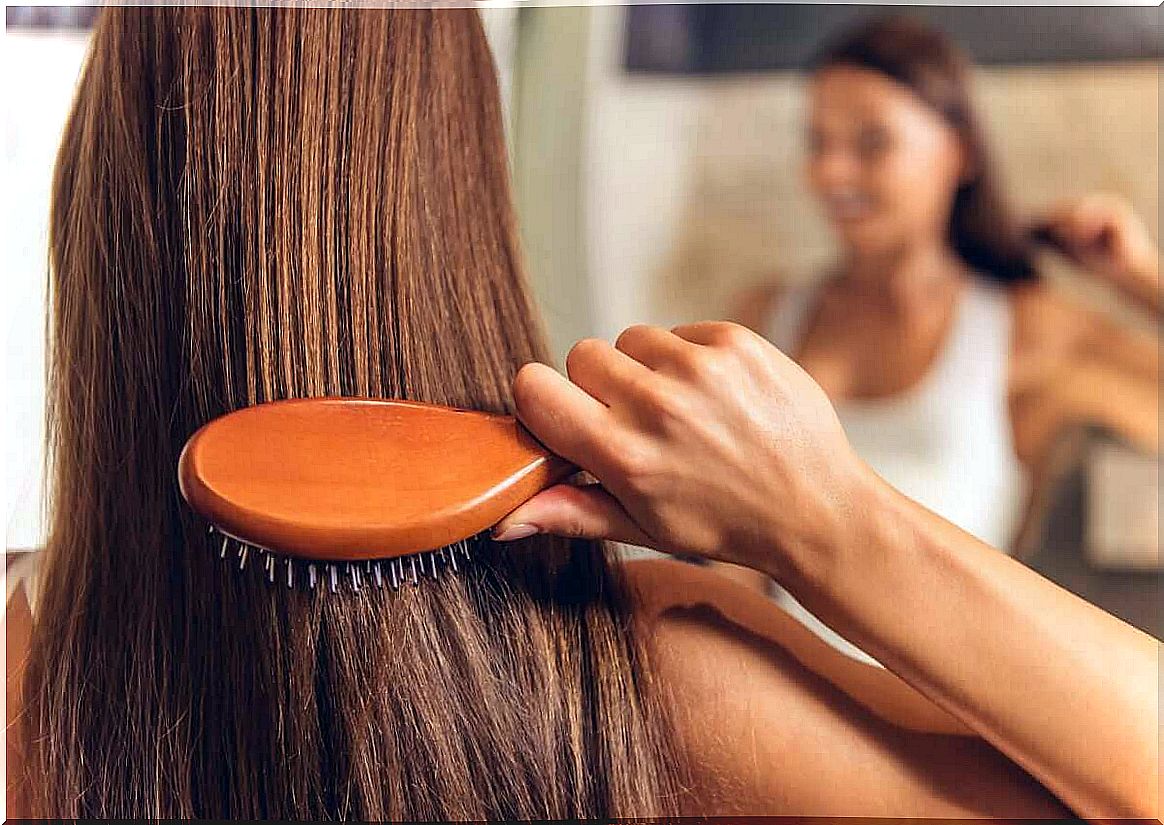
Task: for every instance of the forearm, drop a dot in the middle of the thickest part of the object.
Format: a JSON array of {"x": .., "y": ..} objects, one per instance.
[
  {"x": 711, "y": 442},
  {"x": 1064, "y": 689}
]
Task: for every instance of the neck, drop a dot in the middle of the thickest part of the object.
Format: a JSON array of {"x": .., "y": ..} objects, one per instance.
[{"x": 906, "y": 278}]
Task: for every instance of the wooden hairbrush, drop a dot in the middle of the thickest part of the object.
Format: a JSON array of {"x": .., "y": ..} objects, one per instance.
[{"x": 372, "y": 489}]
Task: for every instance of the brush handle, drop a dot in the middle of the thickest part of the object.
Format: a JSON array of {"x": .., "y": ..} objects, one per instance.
[{"x": 351, "y": 479}]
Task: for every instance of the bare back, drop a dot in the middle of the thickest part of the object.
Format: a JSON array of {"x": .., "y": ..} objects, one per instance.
[{"x": 776, "y": 722}]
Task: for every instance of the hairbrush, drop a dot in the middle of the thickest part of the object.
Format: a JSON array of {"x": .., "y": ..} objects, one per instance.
[{"x": 359, "y": 490}]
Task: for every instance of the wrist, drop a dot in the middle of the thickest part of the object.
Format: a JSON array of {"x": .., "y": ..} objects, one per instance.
[
  {"x": 860, "y": 578},
  {"x": 817, "y": 537}
]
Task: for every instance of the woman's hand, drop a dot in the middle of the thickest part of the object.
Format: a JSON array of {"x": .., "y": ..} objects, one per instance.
[
  {"x": 1103, "y": 234},
  {"x": 706, "y": 440}
]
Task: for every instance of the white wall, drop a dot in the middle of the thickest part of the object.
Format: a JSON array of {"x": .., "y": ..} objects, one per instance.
[{"x": 39, "y": 74}]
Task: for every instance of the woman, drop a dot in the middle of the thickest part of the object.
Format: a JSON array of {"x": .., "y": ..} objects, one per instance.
[
  {"x": 955, "y": 371},
  {"x": 255, "y": 204},
  {"x": 706, "y": 440}
]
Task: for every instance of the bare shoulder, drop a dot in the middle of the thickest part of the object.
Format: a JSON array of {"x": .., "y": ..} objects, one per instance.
[
  {"x": 1046, "y": 320},
  {"x": 1055, "y": 334},
  {"x": 698, "y": 617},
  {"x": 776, "y": 720}
]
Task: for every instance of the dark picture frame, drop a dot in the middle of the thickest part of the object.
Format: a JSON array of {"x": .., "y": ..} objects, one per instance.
[{"x": 731, "y": 38}]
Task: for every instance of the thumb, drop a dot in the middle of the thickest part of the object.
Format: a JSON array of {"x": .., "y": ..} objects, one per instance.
[{"x": 574, "y": 512}]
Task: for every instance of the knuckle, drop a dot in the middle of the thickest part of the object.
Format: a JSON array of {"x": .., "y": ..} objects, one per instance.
[
  {"x": 583, "y": 352},
  {"x": 726, "y": 335},
  {"x": 721, "y": 363},
  {"x": 636, "y": 333},
  {"x": 632, "y": 462},
  {"x": 713, "y": 335},
  {"x": 704, "y": 368},
  {"x": 736, "y": 337}
]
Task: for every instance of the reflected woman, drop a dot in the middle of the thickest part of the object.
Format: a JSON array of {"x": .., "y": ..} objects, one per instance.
[{"x": 954, "y": 370}]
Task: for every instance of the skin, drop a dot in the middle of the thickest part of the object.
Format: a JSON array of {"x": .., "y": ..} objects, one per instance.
[
  {"x": 774, "y": 720},
  {"x": 706, "y": 440}
]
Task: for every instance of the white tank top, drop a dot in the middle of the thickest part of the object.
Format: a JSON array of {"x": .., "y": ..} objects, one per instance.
[{"x": 946, "y": 442}]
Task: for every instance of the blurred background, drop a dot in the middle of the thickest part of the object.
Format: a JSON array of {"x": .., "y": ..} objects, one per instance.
[
  {"x": 676, "y": 137},
  {"x": 658, "y": 155}
]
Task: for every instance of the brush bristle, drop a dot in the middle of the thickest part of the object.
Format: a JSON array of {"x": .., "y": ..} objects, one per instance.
[{"x": 293, "y": 572}]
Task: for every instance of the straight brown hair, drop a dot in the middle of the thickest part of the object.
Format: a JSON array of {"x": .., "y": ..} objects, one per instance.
[{"x": 261, "y": 203}]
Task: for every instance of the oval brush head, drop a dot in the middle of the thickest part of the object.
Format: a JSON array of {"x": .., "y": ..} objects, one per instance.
[{"x": 360, "y": 479}]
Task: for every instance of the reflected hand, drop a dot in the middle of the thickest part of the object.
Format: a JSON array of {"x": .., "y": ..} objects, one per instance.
[
  {"x": 706, "y": 440},
  {"x": 1104, "y": 235}
]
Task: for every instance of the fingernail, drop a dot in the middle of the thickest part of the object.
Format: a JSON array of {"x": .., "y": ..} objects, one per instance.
[{"x": 515, "y": 532}]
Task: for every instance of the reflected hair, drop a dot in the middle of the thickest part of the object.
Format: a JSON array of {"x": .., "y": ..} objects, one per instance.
[
  {"x": 253, "y": 204},
  {"x": 982, "y": 228}
]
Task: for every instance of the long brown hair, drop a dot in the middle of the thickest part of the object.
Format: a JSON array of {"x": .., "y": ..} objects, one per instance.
[
  {"x": 982, "y": 229},
  {"x": 255, "y": 204}
]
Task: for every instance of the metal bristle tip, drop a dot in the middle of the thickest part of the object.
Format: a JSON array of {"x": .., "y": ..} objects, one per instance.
[{"x": 347, "y": 576}]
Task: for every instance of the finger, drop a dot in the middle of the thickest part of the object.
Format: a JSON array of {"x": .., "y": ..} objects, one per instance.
[
  {"x": 709, "y": 333},
  {"x": 1097, "y": 223},
  {"x": 654, "y": 347},
  {"x": 704, "y": 333},
  {"x": 574, "y": 512},
  {"x": 727, "y": 335},
  {"x": 1090, "y": 219},
  {"x": 560, "y": 415},
  {"x": 602, "y": 371},
  {"x": 1079, "y": 223}
]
